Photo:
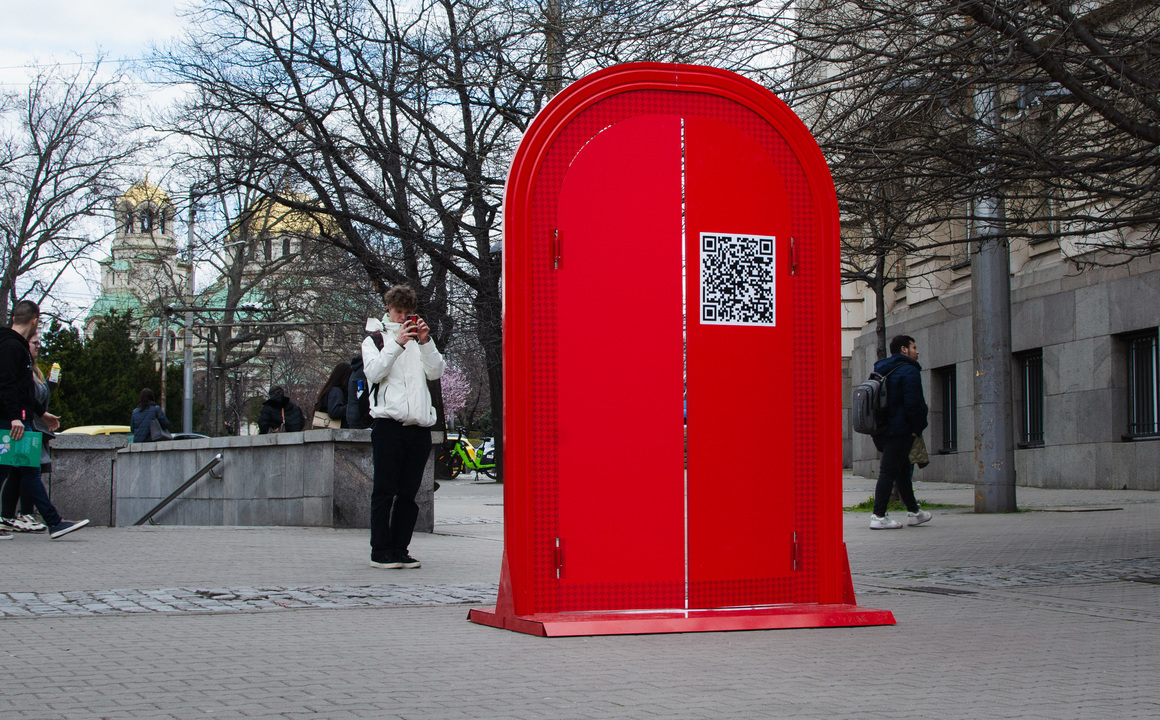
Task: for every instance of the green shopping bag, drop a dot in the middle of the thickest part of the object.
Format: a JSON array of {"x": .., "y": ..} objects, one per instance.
[{"x": 24, "y": 452}]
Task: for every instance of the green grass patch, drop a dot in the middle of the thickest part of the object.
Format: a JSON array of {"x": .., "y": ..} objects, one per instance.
[{"x": 867, "y": 505}]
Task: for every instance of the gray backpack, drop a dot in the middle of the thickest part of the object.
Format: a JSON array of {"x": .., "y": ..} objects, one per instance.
[{"x": 869, "y": 405}]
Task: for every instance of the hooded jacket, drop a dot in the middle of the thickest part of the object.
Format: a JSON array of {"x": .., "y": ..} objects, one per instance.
[
  {"x": 17, "y": 387},
  {"x": 276, "y": 408},
  {"x": 905, "y": 404},
  {"x": 402, "y": 374}
]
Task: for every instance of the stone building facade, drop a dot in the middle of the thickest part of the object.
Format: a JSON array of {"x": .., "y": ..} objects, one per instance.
[{"x": 1084, "y": 369}]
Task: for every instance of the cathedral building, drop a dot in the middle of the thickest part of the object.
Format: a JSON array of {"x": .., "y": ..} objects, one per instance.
[{"x": 144, "y": 271}]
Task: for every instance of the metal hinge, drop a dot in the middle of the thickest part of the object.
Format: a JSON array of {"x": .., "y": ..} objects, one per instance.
[
  {"x": 556, "y": 250},
  {"x": 795, "y": 551},
  {"x": 792, "y": 257},
  {"x": 559, "y": 558}
]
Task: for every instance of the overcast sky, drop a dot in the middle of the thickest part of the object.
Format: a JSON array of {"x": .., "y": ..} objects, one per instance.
[
  {"x": 44, "y": 32},
  {"x": 59, "y": 30}
]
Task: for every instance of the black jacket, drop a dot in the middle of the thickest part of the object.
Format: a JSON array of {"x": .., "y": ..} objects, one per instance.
[
  {"x": 17, "y": 388},
  {"x": 141, "y": 420},
  {"x": 905, "y": 404},
  {"x": 272, "y": 413},
  {"x": 336, "y": 404}
]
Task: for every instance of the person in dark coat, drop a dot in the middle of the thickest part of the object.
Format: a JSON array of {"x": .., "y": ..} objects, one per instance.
[
  {"x": 332, "y": 397},
  {"x": 142, "y": 418},
  {"x": 279, "y": 414},
  {"x": 19, "y": 407},
  {"x": 906, "y": 410}
]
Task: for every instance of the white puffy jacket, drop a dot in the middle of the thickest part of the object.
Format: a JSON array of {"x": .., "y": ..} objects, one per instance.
[{"x": 402, "y": 375}]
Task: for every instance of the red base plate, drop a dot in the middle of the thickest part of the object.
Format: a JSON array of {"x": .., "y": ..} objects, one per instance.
[{"x": 773, "y": 617}]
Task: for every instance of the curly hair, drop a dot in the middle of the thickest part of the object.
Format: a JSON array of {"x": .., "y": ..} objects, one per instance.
[{"x": 401, "y": 297}]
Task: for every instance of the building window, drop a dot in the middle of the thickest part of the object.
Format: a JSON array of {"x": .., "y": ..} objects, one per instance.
[
  {"x": 947, "y": 380},
  {"x": 285, "y": 245},
  {"x": 1031, "y": 400},
  {"x": 1143, "y": 396},
  {"x": 128, "y": 222},
  {"x": 161, "y": 222},
  {"x": 146, "y": 221}
]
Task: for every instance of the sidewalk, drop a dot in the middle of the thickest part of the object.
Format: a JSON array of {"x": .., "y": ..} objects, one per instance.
[{"x": 1050, "y": 613}]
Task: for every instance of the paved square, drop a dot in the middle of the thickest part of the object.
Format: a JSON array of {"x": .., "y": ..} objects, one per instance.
[{"x": 1043, "y": 614}]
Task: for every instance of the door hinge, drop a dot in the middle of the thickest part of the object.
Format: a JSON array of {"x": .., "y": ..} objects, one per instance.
[
  {"x": 792, "y": 257},
  {"x": 794, "y": 549},
  {"x": 556, "y": 249},
  {"x": 559, "y": 558}
]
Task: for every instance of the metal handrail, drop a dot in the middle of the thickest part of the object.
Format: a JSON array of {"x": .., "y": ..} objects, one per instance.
[{"x": 173, "y": 495}]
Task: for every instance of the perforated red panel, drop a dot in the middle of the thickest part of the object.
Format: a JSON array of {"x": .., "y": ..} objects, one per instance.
[
  {"x": 593, "y": 416},
  {"x": 618, "y": 283}
]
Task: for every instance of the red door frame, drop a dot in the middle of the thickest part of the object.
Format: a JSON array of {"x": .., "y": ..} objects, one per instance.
[{"x": 529, "y": 599}]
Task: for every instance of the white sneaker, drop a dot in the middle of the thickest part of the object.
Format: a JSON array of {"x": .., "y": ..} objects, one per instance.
[
  {"x": 918, "y": 518},
  {"x": 884, "y": 523},
  {"x": 27, "y": 523}
]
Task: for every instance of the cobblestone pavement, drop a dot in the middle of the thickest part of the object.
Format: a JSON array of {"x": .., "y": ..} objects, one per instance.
[
  {"x": 1030, "y": 615},
  {"x": 1145, "y": 569},
  {"x": 238, "y": 599}
]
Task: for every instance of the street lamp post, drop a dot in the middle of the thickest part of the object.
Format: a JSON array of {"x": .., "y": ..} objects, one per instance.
[{"x": 187, "y": 389}]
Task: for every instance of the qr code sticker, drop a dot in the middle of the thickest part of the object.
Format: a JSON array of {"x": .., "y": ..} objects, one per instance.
[{"x": 737, "y": 280}]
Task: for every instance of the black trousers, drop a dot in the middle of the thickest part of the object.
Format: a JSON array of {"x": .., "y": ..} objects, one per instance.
[
  {"x": 400, "y": 454},
  {"x": 895, "y": 470}
]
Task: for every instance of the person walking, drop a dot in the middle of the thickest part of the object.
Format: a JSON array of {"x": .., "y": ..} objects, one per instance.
[
  {"x": 141, "y": 421},
  {"x": 906, "y": 410},
  {"x": 19, "y": 406},
  {"x": 400, "y": 357},
  {"x": 331, "y": 400},
  {"x": 279, "y": 414},
  {"x": 24, "y": 520}
]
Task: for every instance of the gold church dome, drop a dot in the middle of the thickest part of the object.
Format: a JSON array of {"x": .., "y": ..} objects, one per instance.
[
  {"x": 142, "y": 192},
  {"x": 271, "y": 216}
]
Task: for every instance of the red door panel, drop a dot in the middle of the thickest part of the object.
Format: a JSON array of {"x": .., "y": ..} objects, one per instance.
[
  {"x": 741, "y": 509},
  {"x": 620, "y": 370}
]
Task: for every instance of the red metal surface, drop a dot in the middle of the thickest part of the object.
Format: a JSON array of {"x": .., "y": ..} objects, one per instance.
[
  {"x": 714, "y": 620},
  {"x": 740, "y": 553},
  {"x": 595, "y": 496},
  {"x": 618, "y": 352}
]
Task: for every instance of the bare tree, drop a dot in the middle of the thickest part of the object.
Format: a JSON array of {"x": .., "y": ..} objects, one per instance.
[
  {"x": 1016, "y": 119},
  {"x": 64, "y": 143},
  {"x": 400, "y": 120}
]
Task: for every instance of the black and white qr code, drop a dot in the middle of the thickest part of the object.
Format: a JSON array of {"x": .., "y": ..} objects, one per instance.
[{"x": 737, "y": 280}]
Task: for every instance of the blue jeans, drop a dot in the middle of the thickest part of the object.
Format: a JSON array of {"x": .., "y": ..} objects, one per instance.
[
  {"x": 24, "y": 482},
  {"x": 895, "y": 470}
]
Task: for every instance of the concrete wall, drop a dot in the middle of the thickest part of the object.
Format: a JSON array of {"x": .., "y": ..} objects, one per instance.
[
  {"x": 81, "y": 482},
  {"x": 1074, "y": 318},
  {"x": 317, "y": 478}
]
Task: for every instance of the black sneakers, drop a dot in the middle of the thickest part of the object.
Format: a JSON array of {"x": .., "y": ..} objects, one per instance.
[
  {"x": 397, "y": 563},
  {"x": 64, "y": 527}
]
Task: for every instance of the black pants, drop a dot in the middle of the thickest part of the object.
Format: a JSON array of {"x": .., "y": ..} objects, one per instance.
[
  {"x": 895, "y": 470},
  {"x": 400, "y": 454},
  {"x": 24, "y": 484}
]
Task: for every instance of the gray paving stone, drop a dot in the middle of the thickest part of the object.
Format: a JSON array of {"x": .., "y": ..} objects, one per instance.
[{"x": 285, "y": 622}]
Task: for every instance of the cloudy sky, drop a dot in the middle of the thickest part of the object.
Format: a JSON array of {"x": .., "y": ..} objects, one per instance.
[{"x": 45, "y": 32}]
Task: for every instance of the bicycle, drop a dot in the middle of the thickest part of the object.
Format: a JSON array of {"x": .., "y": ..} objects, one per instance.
[{"x": 459, "y": 455}]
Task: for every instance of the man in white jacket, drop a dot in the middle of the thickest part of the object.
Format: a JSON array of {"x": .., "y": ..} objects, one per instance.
[{"x": 400, "y": 360}]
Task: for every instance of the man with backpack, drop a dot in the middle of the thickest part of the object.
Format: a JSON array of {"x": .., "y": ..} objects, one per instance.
[
  {"x": 399, "y": 358},
  {"x": 906, "y": 419}
]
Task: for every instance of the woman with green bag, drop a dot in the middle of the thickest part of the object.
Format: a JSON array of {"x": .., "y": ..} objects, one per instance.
[
  {"x": 18, "y": 407},
  {"x": 24, "y": 520}
]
